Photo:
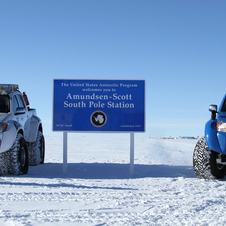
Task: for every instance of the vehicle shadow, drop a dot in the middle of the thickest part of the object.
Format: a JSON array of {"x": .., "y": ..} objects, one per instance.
[{"x": 108, "y": 171}]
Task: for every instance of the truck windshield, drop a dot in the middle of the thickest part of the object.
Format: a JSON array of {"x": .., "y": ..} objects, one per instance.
[
  {"x": 4, "y": 104},
  {"x": 224, "y": 106}
]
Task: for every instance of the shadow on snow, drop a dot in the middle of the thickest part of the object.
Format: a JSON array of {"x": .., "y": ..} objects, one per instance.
[{"x": 108, "y": 171}]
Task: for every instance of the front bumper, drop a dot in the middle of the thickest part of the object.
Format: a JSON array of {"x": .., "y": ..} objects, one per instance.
[
  {"x": 8, "y": 137},
  {"x": 222, "y": 141}
]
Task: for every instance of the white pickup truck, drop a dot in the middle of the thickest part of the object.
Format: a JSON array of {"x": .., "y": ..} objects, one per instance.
[{"x": 21, "y": 133}]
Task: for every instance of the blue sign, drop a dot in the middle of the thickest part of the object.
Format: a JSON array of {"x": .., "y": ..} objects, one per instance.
[{"x": 98, "y": 105}]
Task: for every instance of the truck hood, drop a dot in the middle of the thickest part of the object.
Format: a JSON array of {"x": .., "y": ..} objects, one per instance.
[{"x": 3, "y": 116}]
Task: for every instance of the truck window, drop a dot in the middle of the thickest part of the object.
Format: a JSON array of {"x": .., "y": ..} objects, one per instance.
[
  {"x": 15, "y": 104},
  {"x": 224, "y": 106},
  {"x": 20, "y": 100},
  {"x": 4, "y": 104}
]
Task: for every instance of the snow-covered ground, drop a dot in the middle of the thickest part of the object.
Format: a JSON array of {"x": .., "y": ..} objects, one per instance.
[{"x": 98, "y": 190}]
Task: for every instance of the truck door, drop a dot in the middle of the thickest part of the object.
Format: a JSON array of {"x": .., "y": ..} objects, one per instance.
[{"x": 18, "y": 102}]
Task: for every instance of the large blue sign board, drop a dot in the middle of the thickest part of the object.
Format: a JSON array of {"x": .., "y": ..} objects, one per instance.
[{"x": 98, "y": 105}]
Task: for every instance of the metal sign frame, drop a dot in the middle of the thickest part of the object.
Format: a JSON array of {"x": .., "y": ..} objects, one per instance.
[
  {"x": 110, "y": 105},
  {"x": 98, "y": 105}
]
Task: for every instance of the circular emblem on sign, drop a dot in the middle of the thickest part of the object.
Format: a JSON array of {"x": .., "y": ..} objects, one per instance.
[{"x": 98, "y": 118}]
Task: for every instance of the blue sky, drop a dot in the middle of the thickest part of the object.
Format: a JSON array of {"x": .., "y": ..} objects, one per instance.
[{"x": 177, "y": 46}]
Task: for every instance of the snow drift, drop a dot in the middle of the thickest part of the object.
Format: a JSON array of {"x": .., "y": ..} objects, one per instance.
[{"x": 97, "y": 190}]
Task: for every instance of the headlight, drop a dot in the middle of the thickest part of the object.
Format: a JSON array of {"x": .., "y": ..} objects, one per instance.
[
  {"x": 221, "y": 126},
  {"x": 3, "y": 127}
]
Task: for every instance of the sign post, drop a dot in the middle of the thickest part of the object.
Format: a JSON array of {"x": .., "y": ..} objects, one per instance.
[
  {"x": 115, "y": 106},
  {"x": 65, "y": 152},
  {"x": 131, "y": 154}
]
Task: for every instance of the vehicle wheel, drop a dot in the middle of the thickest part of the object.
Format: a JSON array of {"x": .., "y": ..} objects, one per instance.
[
  {"x": 15, "y": 161},
  {"x": 205, "y": 162},
  {"x": 37, "y": 150},
  {"x": 23, "y": 157},
  {"x": 42, "y": 148}
]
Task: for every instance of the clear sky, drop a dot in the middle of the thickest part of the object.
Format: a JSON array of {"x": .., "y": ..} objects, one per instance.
[{"x": 177, "y": 46}]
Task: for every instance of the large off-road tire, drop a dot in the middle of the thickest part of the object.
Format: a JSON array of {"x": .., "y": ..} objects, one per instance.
[
  {"x": 205, "y": 162},
  {"x": 15, "y": 161},
  {"x": 37, "y": 150}
]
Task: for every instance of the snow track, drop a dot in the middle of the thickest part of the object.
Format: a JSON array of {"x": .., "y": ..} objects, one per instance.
[{"x": 100, "y": 192}]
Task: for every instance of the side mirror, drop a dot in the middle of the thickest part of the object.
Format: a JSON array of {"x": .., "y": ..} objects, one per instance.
[
  {"x": 20, "y": 110},
  {"x": 213, "y": 109}
]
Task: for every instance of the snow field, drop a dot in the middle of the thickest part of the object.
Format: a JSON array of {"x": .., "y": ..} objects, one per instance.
[{"x": 97, "y": 189}]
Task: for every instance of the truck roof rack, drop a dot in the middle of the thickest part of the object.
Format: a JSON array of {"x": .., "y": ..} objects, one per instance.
[{"x": 6, "y": 88}]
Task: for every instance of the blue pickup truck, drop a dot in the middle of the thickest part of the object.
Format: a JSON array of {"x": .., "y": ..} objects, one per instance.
[{"x": 209, "y": 158}]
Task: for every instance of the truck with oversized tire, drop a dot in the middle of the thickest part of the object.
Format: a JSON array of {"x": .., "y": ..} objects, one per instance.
[
  {"x": 21, "y": 133},
  {"x": 209, "y": 157}
]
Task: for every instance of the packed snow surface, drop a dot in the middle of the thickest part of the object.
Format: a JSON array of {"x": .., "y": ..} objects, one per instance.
[{"x": 98, "y": 190}]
